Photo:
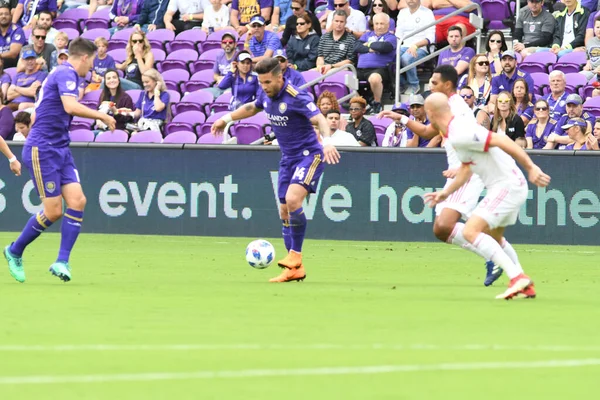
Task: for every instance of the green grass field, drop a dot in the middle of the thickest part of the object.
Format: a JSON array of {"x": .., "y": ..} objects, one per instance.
[{"x": 150, "y": 317}]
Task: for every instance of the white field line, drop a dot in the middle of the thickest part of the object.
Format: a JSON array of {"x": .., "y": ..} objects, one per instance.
[
  {"x": 278, "y": 347},
  {"x": 257, "y": 373}
]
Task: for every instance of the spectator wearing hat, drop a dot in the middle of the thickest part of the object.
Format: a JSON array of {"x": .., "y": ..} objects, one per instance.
[
  {"x": 24, "y": 16},
  {"x": 506, "y": 79},
  {"x": 191, "y": 14},
  {"x": 339, "y": 137},
  {"x": 458, "y": 55},
  {"x": 290, "y": 74},
  {"x": 216, "y": 17},
  {"x": 376, "y": 51},
  {"x": 570, "y": 28},
  {"x": 396, "y": 132},
  {"x": 242, "y": 14},
  {"x": 336, "y": 47},
  {"x": 417, "y": 111},
  {"x": 22, "y": 91},
  {"x": 223, "y": 62},
  {"x": 361, "y": 128},
  {"x": 534, "y": 29},
  {"x": 468, "y": 95},
  {"x": 260, "y": 42},
  {"x": 303, "y": 47},
  {"x": 43, "y": 51},
  {"x": 579, "y": 136},
  {"x": 242, "y": 81},
  {"x": 62, "y": 56},
  {"x": 12, "y": 39},
  {"x": 574, "y": 110}
]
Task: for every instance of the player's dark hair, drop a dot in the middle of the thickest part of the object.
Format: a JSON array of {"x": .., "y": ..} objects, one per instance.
[
  {"x": 23, "y": 118},
  {"x": 332, "y": 111},
  {"x": 467, "y": 87},
  {"x": 455, "y": 28},
  {"x": 106, "y": 95},
  {"x": 80, "y": 47},
  {"x": 268, "y": 65},
  {"x": 448, "y": 74},
  {"x": 47, "y": 13}
]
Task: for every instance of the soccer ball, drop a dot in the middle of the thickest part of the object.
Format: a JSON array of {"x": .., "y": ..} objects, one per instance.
[{"x": 260, "y": 254}]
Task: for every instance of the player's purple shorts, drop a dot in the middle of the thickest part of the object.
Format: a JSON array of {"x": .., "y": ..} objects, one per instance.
[
  {"x": 50, "y": 169},
  {"x": 305, "y": 170}
]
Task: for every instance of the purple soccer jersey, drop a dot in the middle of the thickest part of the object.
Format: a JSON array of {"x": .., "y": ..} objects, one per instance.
[
  {"x": 290, "y": 112},
  {"x": 46, "y": 153},
  {"x": 100, "y": 66}
]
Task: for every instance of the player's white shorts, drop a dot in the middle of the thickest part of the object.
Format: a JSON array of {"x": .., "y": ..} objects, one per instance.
[
  {"x": 500, "y": 206},
  {"x": 465, "y": 199}
]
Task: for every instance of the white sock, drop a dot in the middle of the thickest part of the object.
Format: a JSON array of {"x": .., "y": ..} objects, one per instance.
[
  {"x": 491, "y": 250},
  {"x": 508, "y": 249},
  {"x": 457, "y": 238}
]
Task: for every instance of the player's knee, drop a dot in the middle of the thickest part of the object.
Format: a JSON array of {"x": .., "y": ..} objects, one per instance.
[
  {"x": 470, "y": 233},
  {"x": 53, "y": 211},
  {"x": 442, "y": 229},
  {"x": 283, "y": 211},
  {"x": 293, "y": 203},
  {"x": 78, "y": 202}
]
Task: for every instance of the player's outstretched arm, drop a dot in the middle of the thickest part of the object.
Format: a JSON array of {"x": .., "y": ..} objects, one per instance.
[
  {"x": 425, "y": 131},
  {"x": 536, "y": 175},
  {"x": 246, "y": 111},
  {"x": 330, "y": 153},
  {"x": 74, "y": 108},
  {"x": 463, "y": 173},
  {"x": 15, "y": 165}
]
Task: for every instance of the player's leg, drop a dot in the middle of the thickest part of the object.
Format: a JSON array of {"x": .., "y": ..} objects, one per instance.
[
  {"x": 73, "y": 218},
  {"x": 45, "y": 178},
  {"x": 285, "y": 226},
  {"x": 283, "y": 182}
]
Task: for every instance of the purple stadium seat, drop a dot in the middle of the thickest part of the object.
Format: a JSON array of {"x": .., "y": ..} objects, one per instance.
[
  {"x": 187, "y": 40},
  {"x": 203, "y": 129},
  {"x": 586, "y": 92},
  {"x": 209, "y": 138},
  {"x": 380, "y": 125},
  {"x": 250, "y": 129},
  {"x": 494, "y": 11},
  {"x": 71, "y": 33},
  {"x": 146, "y": 137},
  {"x": 117, "y": 44},
  {"x": 91, "y": 99},
  {"x": 540, "y": 81},
  {"x": 335, "y": 84},
  {"x": 538, "y": 62},
  {"x": 117, "y": 136},
  {"x": 575, "y": 81},
  {"x": 185, "y": 121},
  {"x": 181, "y": 137},
  {"x": 571, "y": 62},
  {"x": 134, "y": 94},
  {"x": 221, "y": 103},
  {"x": 310, "y": 76},
  {"x": 123, "y": 34},
  {"x": 206, "y": 60},
  {"x": 174, "y": 96},
  {"x": 92, "y": 34},
  {"x": 71, "y": 19},
  {"x": 159, "y": 55},
  {"x": 195, "y": 101},
  {"x": 200, "y": 80},
  {"x": 81, "y": 135},
  {"x": 81, "y": 123},
  {"x": 161, "y": 35},
  {"x": 176, "y": 76},
  {"x": 380, "y": 137},
  {"x": 592, "y": 105},
  {"x": 119, "y": 55},
  {"x": 99, "y": 19},
  {"x": 178, "y": 60}
]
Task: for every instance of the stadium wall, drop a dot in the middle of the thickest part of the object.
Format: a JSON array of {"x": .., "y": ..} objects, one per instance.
[{"x": 231, "y": 191}]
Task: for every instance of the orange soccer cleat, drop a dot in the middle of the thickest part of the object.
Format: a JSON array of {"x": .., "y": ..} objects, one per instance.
[
  {"x": 520, "y": 284},
  {"x": 292, "y": 260},
  {"x": 290, "y": 275},
  {"x": 528, "y": 293}
]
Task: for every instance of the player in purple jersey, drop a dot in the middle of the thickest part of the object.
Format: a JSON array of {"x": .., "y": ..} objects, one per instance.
[
  {"x": 292, "y": 114},
  {"x": 47, "y": 156}
]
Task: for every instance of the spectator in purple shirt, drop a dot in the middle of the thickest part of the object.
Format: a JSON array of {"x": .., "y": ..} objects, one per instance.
[
  {"x": 242, "y": 81},
  {"x": 27, "y": 9},
  {"x": 102, "y": 63},
  {"x": 4, "y": 80},
  {"x": 7, "y": 122},
  {"x": 153, "y": 104},
  {"x": 289, "y": 74},
  {"x": 22, "y": 92},
  {"x": 376, "y": 50},
  {"x": 223, "y": 62},
  {"x": 12, "y": 38},
  {"x": 457, "y": 55},
  {"x": 242, "y": 12},
  {"x": 125, "y": 13}
]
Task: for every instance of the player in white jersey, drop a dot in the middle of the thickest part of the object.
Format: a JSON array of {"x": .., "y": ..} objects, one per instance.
[
  {"x": 462, "y": 203},
  {"x": 492, "y": 157}
]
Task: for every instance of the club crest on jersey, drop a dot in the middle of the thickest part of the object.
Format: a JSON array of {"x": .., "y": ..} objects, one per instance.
[
  {"x": 50, "y": 187},
  {"x": 311, "y": 106},
  {"x": 71, "y": 85},
  {"x": 282, "y": 107}
]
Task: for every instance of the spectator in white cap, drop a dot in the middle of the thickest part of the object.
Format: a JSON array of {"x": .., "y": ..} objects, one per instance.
[
  {"x": 417, "y": 111},
  {"x": 260, "y": 42},
  {"x": 293, "y": 76},
  {"x": 579, "y": 135},
  {"x": 242, "y": 81}
]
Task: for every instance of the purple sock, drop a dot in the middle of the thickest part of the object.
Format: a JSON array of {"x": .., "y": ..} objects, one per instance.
[
  {"x": 287, "y": 234},
  {"x": 297, "y": 229},
  {"x": 69, "y": 230},
  {"x": 37, "y": 224}
]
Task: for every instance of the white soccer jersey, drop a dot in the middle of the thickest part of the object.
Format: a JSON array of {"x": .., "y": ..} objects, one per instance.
[
  {"x": 459, "y": 109},
  {"x": 471, "y": 143}
]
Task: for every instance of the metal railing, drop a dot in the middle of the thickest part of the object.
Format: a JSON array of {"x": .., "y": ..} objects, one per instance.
[{"x": 475, "y": 20}]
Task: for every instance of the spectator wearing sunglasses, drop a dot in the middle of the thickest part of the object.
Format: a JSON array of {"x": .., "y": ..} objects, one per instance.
[
  {"x": 42, "y": 50},
  {"x": 506, "y": 121},
  {"x": 417, "y": 111},
  {"x": 243, "y": 12},
  {"x": 380, "y": 6},
  {"x": 139, "y": 60},
  {"x": 580, "y": 135},
  {"x": 574, "y": 110},
  {"x": 415, "y": 47},
  {"x": 356, "y": 24},
  {"x": 298, "y": 7},
  {"x": 290, "y": 74},
  {"x": 361, "y": 128},
  {"x": 45, "y": 20},
  {"x": 495, "y": 46},
  {"x": 506, "y": 79},
  {"x": 479, "y": 79},
  {"x": 524, "y": 106},
  {"x": 360, "y": 5},
  {"x": 534, "y": 29},
  {"x": 223, "y": 62},
  {"x": 458, "y": 55},
  {"x": 26, "y": 10},
  {"x": 481, "y": 115},
  {"x": 540, "y": 127},
  {"x": 303, "y": 48},
  {"x": 260, "y": 42}
]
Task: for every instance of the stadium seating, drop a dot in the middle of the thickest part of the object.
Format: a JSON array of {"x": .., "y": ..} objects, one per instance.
[
  {"x": 81, "y": 135},
  {"x": 117, "y": 136},
  {"x": 146, "y": 137},
  {"x": 181, "y": 137}
]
